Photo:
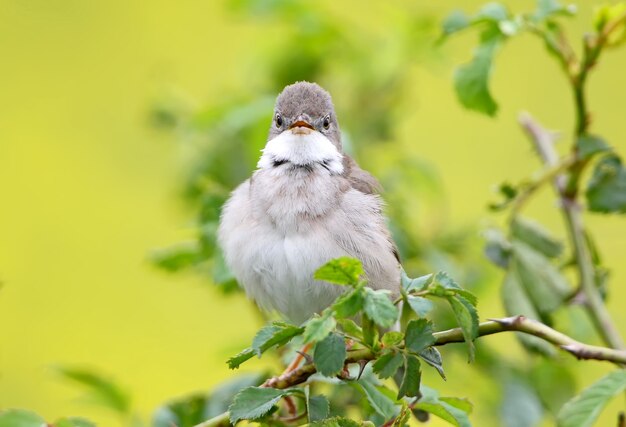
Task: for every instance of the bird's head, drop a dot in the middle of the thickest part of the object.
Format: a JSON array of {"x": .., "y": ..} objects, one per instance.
[
  {"x": 302, "y": 108},
  {"x": 304, "y": 129}
]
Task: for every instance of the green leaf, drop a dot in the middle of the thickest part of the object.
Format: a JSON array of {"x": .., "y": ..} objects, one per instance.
[
  {"x": 520, "y": 404},
  {"x": 416, "y": 284},
  {"x": 589, "y": 145},
  {"x": 387, "y": 364},
  {"x": 535, "y": 236},
  {"x": 493, "y": 11},
  {"x": 419, "y": 335},
  {"x": 456, "y": 21},
  {"x": 341, "y": 271},
  {"x": 382, "y": 404},
  {"x": 516, "y": 302},
  {"x": 403, "y": 417},
  {"x": 176, "y": 258},
  {"x": 455, "y": 412},
  {"x": 72, "y": 422},
  {"x": 252, "y": 403},
  {"x": 348, "y": 304},
  {"x": 546, "y": 287},
  {"x": 379, "y": 308},
  {"x": 410, "y": 385},
  {"x": 20, "y": 418},
  {"x": 471, "y": 80},
  {"x": 550, "y": 8},
  {"x": 420, "y": 305},
  {"x": 467, "y": 318},
  {"x": 606, "y": 191},
  {"x": 460, "y": 403},
  {"x": 350, "y": 328},
  {"x": 278, "y": 333},
  {"x": 319, "y": 327},
  {"x": 443, "y": 282},
  {"x": 432, "y": 357},
  {"x": 329, "y": 355},
  {"x": 392, "y": 338},
  {"x": 497, "y": 248},
  {"x": 236, "y": 361},
  {"x": 336, "y": 422},
  {"x": 101, "y": 391},
  {"x": 317, "y": 408},
  {"x": 585, "y": 408}
]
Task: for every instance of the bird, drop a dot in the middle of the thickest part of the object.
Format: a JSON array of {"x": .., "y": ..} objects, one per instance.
[{"x": 307, "y": 203}]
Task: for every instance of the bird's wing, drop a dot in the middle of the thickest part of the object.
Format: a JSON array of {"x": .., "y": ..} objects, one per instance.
[
  {"x": 364, "y": 182},
  {"x": 358, "y": 178}
]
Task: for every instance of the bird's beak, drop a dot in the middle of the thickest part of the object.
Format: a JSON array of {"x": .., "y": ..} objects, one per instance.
[{"x": 299, "y": 124}]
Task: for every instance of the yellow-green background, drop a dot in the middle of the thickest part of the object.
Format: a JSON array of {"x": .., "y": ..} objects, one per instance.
[{"x": 87, "y": 189}]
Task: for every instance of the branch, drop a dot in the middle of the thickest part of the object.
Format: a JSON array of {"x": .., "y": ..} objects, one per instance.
[
  {"x": 508, "y": 324},
  {"x": 543, "y": 141}
]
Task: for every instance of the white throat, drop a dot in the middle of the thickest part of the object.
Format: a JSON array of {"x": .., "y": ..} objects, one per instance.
[{"x": 301, "y": 150}]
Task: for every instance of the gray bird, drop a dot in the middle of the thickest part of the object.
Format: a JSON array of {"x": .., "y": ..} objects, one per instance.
[{"x": 307, "y": 203}]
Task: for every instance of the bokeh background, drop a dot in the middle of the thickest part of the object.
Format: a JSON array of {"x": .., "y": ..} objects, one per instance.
[{"x": 111, "y": 112}]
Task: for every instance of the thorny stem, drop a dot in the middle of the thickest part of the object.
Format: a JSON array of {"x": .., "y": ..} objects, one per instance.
[
  {"x": 571, "y": 211},
  {"x": 494, "y": 326}
]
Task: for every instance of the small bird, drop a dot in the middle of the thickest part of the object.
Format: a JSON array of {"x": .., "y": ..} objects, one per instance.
[{"x": 307, "y": 203}]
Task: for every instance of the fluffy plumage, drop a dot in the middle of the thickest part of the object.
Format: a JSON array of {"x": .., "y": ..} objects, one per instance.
[{"x": 305, "y": 204}]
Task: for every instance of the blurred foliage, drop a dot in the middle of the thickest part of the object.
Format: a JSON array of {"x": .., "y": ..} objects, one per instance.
[
  {"x": 228, "y": 133},
  {"x": 224, "y": 136}
]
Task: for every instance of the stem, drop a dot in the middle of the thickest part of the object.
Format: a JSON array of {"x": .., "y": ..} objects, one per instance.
[
  {"x": 494, "y": 326},
  {"x": 571, "y": 211}
]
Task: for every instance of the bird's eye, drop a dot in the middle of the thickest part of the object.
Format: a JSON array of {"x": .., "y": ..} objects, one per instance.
[
  {"x": 279, "y": 120},
  {"x": 326, "y": 122}
]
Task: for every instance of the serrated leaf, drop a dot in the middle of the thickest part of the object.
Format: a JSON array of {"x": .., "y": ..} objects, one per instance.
[
  {"x": 319, "y": 327},
  {"x": 410, "y": 385},
  {"x": 341, "y": 271},
  {"x": 589, "y": 145},
  {"x": 350, "y": 328},
  {"x": 100, "y": 390},
  {"x": 497, "y": 248},
  {"x": 420, "y": 305},
  {"x": 348, "y": 304},
  {"x": 419, "y": 335},
  {"x": 379, "y": 308},
  {"x": 252, "y": 403},
  {"x": 516, "y": 302},
  {"x": 585, "y": 408},
  {"x": 432, "y": 403},
  {"x": 329, "y": 355},
  {"x": 278, "y": 333},
  {"x": 382, "y": 404},
  {"x": 467, "y": 318},
  {"x": 236, "y": 361},
  {"x": 403, "y": 417},
  {"x": 387, "y": 364},
  {"x": 535, "y": 236},
  {"x": 471, "y": 80},
  {"x": 432, "y": 357},
  {"x": 391, "y": 338},
  {"x": 417, "y": 284},
  {"x": 20, "y": 418},
  {"x": 606, "y": 190}
]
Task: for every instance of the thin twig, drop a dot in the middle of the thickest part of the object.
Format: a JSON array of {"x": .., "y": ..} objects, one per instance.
[
  {"x": 543, "y": 141},
  {"x": 494, "y": 326}
]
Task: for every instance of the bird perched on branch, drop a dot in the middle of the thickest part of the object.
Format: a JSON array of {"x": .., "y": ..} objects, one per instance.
[{"x": 307, "y": 203}]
